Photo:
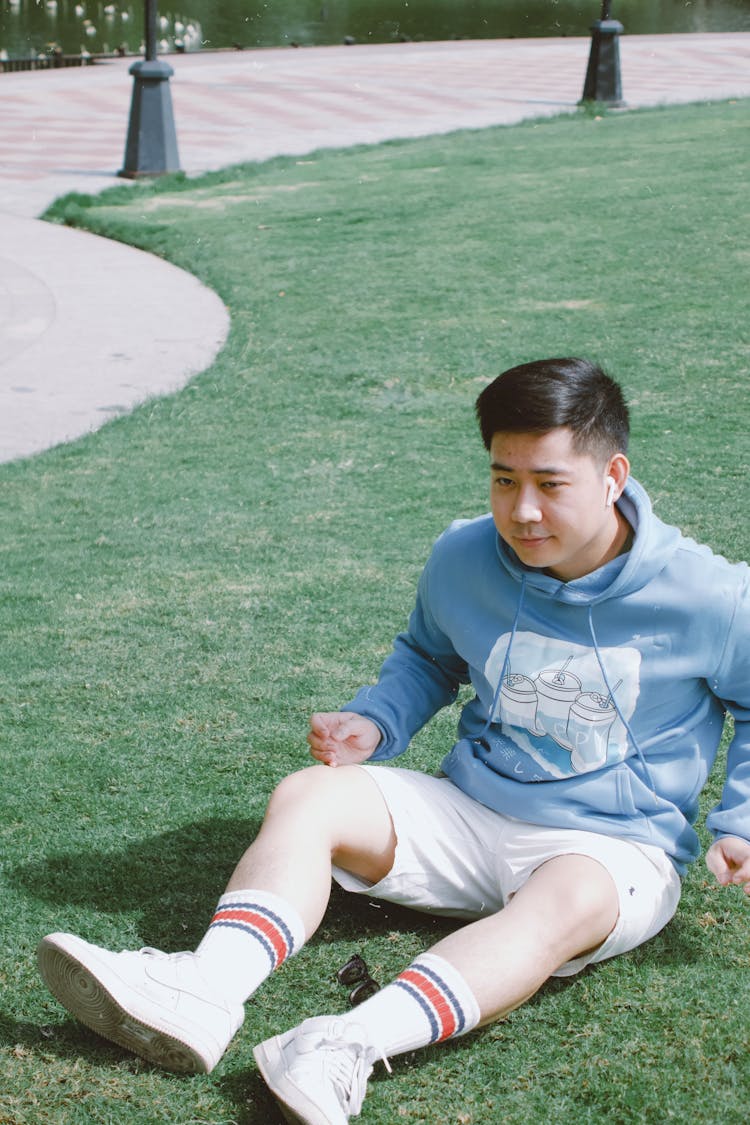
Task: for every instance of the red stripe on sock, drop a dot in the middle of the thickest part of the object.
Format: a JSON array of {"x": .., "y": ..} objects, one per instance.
[
  {"x": 443, "y": 1010},
  {"x": 256, "y": 922}
]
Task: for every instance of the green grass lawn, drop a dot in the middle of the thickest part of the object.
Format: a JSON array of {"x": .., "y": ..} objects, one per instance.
[{"x": 181, "y": 589}]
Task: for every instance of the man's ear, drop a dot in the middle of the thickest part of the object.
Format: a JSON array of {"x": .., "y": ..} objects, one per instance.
[{"x": 616, "y": 476}]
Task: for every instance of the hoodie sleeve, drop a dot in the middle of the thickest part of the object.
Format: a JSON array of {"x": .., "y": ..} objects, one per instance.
[
  {"x": 422, "y": 675},
  {"x": 731, "y": 817}
]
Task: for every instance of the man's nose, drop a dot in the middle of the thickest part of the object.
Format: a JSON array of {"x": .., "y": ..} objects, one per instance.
[{"x": 526, "y": 508}]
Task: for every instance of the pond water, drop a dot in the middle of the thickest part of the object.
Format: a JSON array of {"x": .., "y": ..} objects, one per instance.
[{"x": 31, "y": 27}]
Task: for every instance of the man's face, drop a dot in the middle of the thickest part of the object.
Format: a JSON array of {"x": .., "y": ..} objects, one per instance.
[{"x": 550, "y": 504}]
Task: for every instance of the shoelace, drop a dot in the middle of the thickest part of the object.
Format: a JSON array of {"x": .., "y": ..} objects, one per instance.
[
  {"x": 349, "y": 1081},
  {"x": 349, "y": 1069}
]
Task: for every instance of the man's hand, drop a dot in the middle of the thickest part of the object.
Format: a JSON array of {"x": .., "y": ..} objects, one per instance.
[
  {"x": 342, "y": 738},
  {"x": 729, "y": 860}
]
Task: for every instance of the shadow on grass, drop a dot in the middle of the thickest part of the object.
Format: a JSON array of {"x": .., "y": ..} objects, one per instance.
[
  {"x": 675, "y": 945},
  {"x": 249, "y": 1096},
  {"x": 66, "y": 1041},
  {"x": 70, "y": 1042},
  {"x": 174, "y": 880}
]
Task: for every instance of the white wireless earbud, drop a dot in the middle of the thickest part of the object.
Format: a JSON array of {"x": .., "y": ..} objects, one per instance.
[{"x": 610, "y": 498}]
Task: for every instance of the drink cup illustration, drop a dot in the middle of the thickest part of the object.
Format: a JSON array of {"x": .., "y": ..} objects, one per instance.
[
  {"x": 589, "y": 724},
  {"x": 557, "y": 689},
  {"x": 518, "y": 702}
]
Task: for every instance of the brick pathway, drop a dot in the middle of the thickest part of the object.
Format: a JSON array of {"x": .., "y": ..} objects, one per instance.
[{"x": 64, "y": 130}]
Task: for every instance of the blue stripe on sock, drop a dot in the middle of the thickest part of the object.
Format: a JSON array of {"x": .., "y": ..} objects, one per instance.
[
  {"x": 424, "y": 1005},
  {"x": 250, "y": 933}
]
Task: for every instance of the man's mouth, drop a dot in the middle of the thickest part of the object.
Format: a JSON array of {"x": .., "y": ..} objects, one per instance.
[{"x": 530, "y": 542}]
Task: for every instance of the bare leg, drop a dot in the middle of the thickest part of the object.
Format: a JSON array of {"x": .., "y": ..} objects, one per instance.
[
  {"x": 314, "y": 817},
  {"x": 567, "y": 907}
]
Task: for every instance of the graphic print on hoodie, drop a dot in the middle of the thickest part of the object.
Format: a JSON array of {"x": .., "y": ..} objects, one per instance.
[{"x": 556, "y": 705}]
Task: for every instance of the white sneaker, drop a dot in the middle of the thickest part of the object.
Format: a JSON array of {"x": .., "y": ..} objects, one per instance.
[
  {"x": 155, "y": 1004},
  {"x": 318, "y": 1071}
]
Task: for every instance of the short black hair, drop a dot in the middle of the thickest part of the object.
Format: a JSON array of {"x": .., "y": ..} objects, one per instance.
[{"x": 550, "y": 393}]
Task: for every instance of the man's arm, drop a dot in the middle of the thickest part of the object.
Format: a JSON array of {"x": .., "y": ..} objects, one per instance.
[
  {"x": 729, "y": 860},
  {"x": 420, "y": 676},
  {"x": 729, "y": 822}
]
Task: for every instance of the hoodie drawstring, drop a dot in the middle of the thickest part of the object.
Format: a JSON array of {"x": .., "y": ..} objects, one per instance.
[
  {"x": 506, "y": 661},
  {"x": 615, "y": 704}
]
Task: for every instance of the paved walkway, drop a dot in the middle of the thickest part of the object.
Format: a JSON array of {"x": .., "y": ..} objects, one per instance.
[{"x": 88, "y": 327}]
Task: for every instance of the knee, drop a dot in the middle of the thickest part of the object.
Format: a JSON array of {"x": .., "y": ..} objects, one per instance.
[
  {"x": 298, "y": 788},
  {"x": 308, "y": 793},
  {"x": 593, "y": 910},
  {"x": 342, "y": 809},
  {"x": 580, "y": 900},
  {"x": 593, "y": 898}
]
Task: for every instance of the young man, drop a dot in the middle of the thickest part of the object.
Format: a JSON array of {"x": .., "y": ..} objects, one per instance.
[{"x": 604, "y": 650}]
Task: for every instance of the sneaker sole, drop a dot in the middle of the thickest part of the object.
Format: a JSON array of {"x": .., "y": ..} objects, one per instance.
[
  {"x": 91, "y": 999},
  {"x": 295, "y": 1107}
]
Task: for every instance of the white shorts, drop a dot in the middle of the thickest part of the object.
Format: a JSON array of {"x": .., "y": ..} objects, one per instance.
[{"x": 455, "y": 857}]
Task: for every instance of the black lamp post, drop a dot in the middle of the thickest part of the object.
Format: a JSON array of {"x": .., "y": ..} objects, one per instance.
[
  {"x": 151, "y": 146},
  {"x": 603, "y": 82}
]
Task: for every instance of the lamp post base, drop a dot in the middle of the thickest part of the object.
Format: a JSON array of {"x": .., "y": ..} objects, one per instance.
[
  {"x": 603, "y": 82},
  {"x": 151, "y": 146}
]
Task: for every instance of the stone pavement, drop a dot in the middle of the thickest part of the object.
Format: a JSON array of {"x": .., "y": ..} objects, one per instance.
[{"x": 88, "y": 327}]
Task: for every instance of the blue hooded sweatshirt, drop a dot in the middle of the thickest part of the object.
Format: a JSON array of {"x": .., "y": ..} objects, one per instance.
[{"x": 599, "y": 703}]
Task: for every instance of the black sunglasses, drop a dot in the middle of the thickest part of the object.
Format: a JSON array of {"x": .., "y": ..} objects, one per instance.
[{"x": 355, "y": 972}]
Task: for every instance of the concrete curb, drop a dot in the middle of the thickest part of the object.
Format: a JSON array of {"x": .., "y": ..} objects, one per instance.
[{"x": 89, "y": 328}]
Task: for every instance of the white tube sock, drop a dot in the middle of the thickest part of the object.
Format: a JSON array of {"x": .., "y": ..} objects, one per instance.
[
  {"x": 427, "y": 1003},
  {"x": 251, "y": 934}
]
